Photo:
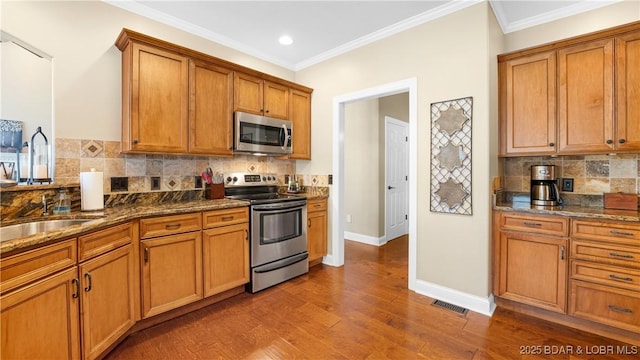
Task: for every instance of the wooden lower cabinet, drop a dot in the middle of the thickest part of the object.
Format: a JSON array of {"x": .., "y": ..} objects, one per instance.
[
  {"x": 225, "y": 258},
  {"x": 42, "y": 320},
  {"x": 171, "y": 269},
  {"x": 533, "y": 270},
  {"x": 108, "y": 300},
  {"x": 608, "y": 305},
  {"x": 316, "y": 230}
]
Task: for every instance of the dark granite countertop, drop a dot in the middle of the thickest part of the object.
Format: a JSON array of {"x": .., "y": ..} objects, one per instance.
[
  {"x": 105, "y": 218},
  {"x": 574, "y": 211}
]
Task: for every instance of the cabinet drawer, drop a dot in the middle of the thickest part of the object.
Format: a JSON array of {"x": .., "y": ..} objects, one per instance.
[
  {"x": 168, "y": 225},
  {"x": 103, "y": 241},
  {"x": 606, "y": 305},
  {"x": 535, "y": 224},
  {"x": 619, "y": 233},
  {"x": 606, "y": 253},
  {"x": 317, "y": 205},
  {"x": 606, "y": 275},
  {"x": 211, "y": 219},
  {"x": 32, "y": 265}
]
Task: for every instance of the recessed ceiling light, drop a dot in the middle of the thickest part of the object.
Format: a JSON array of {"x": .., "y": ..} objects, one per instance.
[{"x": 285, "y": 40}]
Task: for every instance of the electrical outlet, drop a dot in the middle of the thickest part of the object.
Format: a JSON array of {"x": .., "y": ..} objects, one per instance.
[
  {"x": 119, "y": 184},
  {"x": 567, "y": 184},
  {"x": 155, "y": 183},
  {"x": 198, "y": 180},
  {"x": 330, "y": 180}
]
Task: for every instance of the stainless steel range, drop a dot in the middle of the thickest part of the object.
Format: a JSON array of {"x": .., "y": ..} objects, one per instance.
[{"x": 277, "y": 227}]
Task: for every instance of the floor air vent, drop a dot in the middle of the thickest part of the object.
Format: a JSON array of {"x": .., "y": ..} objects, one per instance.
[{"x": 450, "y": 307}]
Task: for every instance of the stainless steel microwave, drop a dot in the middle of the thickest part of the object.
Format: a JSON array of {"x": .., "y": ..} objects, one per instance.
[{"x": 261, "y": 135}]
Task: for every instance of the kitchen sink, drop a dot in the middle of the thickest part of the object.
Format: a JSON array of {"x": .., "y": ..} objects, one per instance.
[{"x": 20, "y": 230}]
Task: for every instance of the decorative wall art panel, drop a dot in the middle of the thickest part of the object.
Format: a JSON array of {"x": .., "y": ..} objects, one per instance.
[{"x": 451, "y": 156}]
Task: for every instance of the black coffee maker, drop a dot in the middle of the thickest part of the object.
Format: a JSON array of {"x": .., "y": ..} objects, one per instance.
[{"x": 544, "y": 189}]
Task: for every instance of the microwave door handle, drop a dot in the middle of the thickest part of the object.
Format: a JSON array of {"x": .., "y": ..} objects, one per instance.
[{"x": 283, "y": 137}]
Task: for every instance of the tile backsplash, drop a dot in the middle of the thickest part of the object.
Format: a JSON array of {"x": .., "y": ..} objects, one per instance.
[
  {"x": 175, "y": 172},
  {"x": 591, "y": 174}
]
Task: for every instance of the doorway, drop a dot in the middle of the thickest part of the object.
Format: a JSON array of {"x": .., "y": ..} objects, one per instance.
[
  {"x": 337, "y": 199},
  {"x": 396, "y": 198}
]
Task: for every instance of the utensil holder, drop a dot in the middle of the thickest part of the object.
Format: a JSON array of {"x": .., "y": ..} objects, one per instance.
[{"x": 214, "y": 191}]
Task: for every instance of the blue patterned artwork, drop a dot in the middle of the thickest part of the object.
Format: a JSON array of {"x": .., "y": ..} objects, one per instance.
[{"x": 10, "y": 135}]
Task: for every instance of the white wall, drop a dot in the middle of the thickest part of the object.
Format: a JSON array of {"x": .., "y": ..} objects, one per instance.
[
  {"x": 613, "y": 15},
  {"x": 26, "y": 90},
  {"x": 80, "y": 36},
  {"x": 362, "y": 166},
  {"x": 450, "y": 61}
]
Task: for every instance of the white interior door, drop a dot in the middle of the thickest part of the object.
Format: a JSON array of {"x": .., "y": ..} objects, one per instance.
[{"x": 396, "y": 178}]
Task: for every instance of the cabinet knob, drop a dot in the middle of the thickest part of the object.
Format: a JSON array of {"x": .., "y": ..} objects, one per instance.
[
  {"x": 266, "y": 111},
  {"x": 552, "y": 144},
  {"x": 622, "y": 141},
  {"x": 609, "y": 141},
  {"x": 135, "y": 141}
]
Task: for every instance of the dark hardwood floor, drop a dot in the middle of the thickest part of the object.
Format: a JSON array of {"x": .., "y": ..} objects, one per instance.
[{"x": 360, "y": 311}]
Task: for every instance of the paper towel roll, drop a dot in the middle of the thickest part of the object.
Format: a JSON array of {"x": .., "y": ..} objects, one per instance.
[{"x": 91, "y": 190}]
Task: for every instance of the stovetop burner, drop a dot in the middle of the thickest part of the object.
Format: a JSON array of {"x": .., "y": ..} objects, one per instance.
[{"x": 256, "y": 188}]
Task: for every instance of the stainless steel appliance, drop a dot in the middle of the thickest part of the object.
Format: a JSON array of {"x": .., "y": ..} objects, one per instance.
[
  {"x": 544, "y": 189},
  {"x": 277, "y": 229},
  {"x": 261, "y": 135}
]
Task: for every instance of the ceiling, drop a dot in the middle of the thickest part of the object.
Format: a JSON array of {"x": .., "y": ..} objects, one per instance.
[{"x": 324, "y": 29}]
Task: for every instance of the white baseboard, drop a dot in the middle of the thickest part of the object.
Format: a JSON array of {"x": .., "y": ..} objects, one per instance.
[
  {"x": 475, "y": 303},
  {"x": 366, "y": 239}
]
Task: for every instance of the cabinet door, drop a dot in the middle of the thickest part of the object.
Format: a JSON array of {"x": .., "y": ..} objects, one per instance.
[
  {"x": 301, "y": 118},
  {"x": 533, "y": 270},
  {"x": 158, "y": 105},
  {"x": 528, "y": 105},
  {"x": 41, "y": 321},
  {"x": 628, "y": 92},
  {"x": 171, "y": 272},
  {"x": 108, "y": 299},
  {"x": 210, "y": 109},
  {"x": 317, "y": 234},
  {"x": 276, "y": 100},
  {"x": 226, "y": 258},
  {"x": 585, "y": 98},
  {"x": 248, "y": 94}
]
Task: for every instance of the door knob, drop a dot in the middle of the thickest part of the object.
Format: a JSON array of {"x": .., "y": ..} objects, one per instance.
[{"x": 390, "y": 187}]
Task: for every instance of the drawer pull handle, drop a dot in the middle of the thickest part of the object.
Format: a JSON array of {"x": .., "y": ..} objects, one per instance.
[
  {"x": 623, "y": 256},
  {"x": 227, "y": 218},
  {"x": 620, "y": 233},
  {"x": 618, "y": 278},
  {"x": 146, "y": 254},
  {"x": 172, "y": 226},
  {"x": 534, "y": 224},
  {"x": 317, "y": 206},
  {"x": 562, "y": 253},
  {"x": 621, "y": 310},
  {"x": 246, "y": 234},
  {"x": 76, "y": 293},
  {"x": 88, "y": 277}
]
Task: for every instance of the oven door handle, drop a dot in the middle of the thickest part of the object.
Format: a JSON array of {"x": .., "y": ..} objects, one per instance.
[
  {"x": 280, "y": 206},
  {"x": 282, "y": 263}
]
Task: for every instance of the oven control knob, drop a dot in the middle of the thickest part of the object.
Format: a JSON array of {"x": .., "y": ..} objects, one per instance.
[
  {"x": 264, "y": 178},
  {"x": 235, "y": 178},
  {"x": 228, "y": 179}
]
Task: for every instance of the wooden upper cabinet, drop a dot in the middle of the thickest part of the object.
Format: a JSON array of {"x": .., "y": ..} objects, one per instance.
[
  {"x": 154, "y": 100},
  {"x": 301, "y": 118},
  {"x": 210, "y": 109},
  {"x": 276, "y": 100},
  {"x": 628, "y": 91},
  {"x": 528, "y": 105},
  {"x": 257, "y": 96},
  {"x": 585, "y": 97}
]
